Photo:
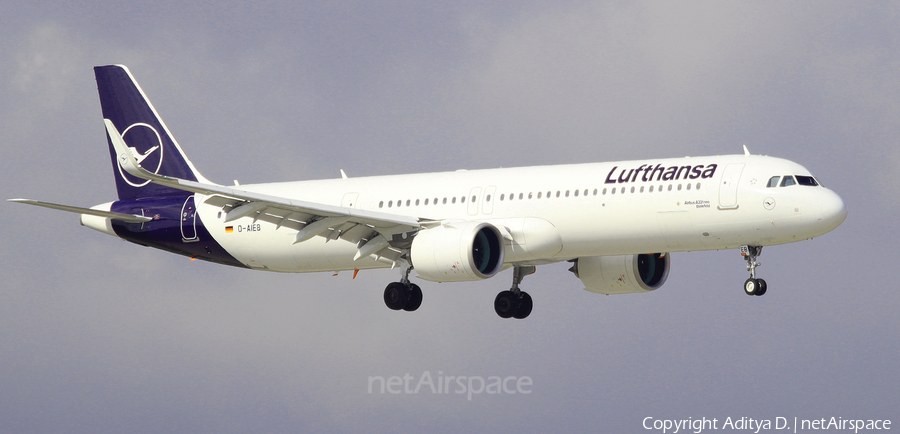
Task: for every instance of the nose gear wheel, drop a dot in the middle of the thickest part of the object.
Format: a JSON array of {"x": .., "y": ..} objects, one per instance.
[{"x": 753, "y": 286}]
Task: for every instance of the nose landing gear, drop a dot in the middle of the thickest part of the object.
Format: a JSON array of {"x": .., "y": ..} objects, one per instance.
[{"x": 753, "y": 286}]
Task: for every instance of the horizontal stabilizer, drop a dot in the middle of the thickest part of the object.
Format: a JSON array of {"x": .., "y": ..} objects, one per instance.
[{"x": 127, "y": 218}]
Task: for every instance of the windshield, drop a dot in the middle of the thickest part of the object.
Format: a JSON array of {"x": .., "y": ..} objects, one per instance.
[{"x": 806, "y": 180}]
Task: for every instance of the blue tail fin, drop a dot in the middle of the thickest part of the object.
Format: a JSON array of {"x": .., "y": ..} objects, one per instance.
[{"x": 124, "y": 103}]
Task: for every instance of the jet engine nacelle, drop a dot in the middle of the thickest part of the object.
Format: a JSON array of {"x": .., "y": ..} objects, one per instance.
[
  {"x": 457, "y": 252},
  {"x": 625, "y": 274}
]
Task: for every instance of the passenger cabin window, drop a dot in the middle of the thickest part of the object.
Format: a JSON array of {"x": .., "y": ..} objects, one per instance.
[
  {"x": 773, "y": 181},
  {"x": 788, "y": 180},
  {"x": 807, "y": 180}
]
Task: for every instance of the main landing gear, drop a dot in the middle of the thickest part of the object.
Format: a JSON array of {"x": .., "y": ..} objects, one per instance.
[
  {"x": 515, "y": 303},
  {"x": 753, "y": 286},
  {"x": 403, "y": 294}
]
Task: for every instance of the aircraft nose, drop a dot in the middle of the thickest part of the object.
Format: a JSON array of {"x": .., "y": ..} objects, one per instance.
[{"x": 832, "y": 211}]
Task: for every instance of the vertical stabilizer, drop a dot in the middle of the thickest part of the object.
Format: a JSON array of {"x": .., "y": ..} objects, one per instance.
[{"x": 123, "y": 102}]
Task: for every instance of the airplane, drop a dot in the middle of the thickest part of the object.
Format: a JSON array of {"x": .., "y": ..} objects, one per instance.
[{"x": 616, "y": 222}]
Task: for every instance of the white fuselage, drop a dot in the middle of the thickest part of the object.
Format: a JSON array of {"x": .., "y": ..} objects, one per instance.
[{"x": 556, "y": 213}]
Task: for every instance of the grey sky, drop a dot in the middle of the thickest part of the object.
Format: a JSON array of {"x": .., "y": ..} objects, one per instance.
[{"x": 98, "y": 335}]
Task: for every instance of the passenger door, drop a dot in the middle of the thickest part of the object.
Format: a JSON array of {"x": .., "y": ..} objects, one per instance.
[
  {"x": 729, "y": 185},
  {"x": 189, "y": 221},
  {"x": 474, "y": 195}
]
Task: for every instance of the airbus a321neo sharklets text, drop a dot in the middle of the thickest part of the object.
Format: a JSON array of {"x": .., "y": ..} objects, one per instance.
[{"x": 454, "y": 226}]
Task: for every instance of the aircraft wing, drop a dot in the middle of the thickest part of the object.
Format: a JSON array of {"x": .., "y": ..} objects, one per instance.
[
  {"x": 372, "y": 231},
  {"x": 127, "y": 218}
]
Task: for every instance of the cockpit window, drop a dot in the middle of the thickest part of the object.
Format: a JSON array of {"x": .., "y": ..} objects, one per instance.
[
  {"x": 773, "y": 181},
  {"x": 807, "y": 180},
  {"x": 788, "y": 180}
]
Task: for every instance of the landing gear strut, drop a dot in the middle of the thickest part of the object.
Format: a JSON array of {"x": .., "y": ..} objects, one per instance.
[
  {"x": 753, "y": 286},
  {"x": 515, "y": 303},
  {"x": 403, "y": 294}
]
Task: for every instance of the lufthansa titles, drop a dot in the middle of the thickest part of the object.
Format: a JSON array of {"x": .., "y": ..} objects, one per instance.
[{"x": 659, "y": 172}]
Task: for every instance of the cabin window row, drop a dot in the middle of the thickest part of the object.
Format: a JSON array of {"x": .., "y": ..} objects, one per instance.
[
  {"x": 410, "y": 202},
  {"x": 539, "y": 195},
  {"x": 604, "y": 192}
]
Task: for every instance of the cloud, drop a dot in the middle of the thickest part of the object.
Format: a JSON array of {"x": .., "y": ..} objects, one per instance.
[
  {"x": 598, "y": 82},
  {"x": 47, "y": 66}
]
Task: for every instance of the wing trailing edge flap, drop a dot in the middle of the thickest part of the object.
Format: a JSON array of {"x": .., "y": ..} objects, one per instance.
[
  {"x": 370, "y": 240},
  {"x": 376, "y": 244},
  {"x": 307, "y": 225},
  {"x": 309, "y": 219}
]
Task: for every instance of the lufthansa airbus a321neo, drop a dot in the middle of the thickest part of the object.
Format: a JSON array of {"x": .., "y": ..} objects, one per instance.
[{"x": 616, "y": 222}]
